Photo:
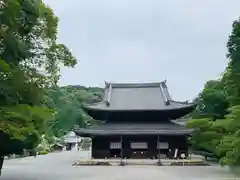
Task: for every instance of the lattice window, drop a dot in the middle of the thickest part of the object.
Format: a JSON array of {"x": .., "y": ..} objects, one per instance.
[
  {"x": 139, "y": 145},
  {"x": 115, "y": 145},
  {"x": 162, "y": 145}
]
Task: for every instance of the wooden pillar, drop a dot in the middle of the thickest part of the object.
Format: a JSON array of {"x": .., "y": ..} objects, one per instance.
[
  {"x": 152, "y": 147},
  {"x": 121, "y": 162},
  {"x": 159, "y": 160},
  {"x": 126, "y": 147}
]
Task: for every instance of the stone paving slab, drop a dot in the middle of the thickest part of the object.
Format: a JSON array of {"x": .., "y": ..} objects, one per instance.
[{"x": 58, "y": 166}]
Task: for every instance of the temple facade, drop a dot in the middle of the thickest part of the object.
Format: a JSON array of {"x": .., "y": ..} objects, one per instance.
[{"x": 138, "y": 122}]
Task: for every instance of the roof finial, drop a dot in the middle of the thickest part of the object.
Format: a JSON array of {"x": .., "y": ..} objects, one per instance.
[
  {"x": 106, "y": 84},
  {"x": 109, "y": 95},
  {"x": 163, "y": 92}
]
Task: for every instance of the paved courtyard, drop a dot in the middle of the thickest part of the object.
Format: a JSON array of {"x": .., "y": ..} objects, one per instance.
[{"x": 58, "y": 166}]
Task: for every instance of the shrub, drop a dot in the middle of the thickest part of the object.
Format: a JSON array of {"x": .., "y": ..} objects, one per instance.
[{"x": 43, "y": 152}]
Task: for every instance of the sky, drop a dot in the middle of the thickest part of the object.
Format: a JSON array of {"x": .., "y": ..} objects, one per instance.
[{"x": 183, "y": 41}]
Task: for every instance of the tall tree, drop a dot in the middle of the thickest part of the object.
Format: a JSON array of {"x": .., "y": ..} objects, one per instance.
[
  {"x": 232, "y": 73},
  {"x": 230, "y": 144},
  {"x": 212, "y": 106},
  {"x": 221, "y": 125},
  {"x": 67, "y": 102},
  {"x": 212, "y": 101},
  {"x": 28, "y": 38},
  {"x": 29, "y": 61}
]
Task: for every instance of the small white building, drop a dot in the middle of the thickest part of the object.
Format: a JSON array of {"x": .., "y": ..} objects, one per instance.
[{"x": 72, "y": 141}]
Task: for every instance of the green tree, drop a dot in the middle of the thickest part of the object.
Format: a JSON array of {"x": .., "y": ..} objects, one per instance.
[
  {"x": 67, "y": 103},
  {"x": 219, "y": 131},
  {"x": 30, "y": 61},
  {"x": 232, "y": 73},
  {"x": 28, "y": 38},
  {"x": 212, "y": 102},
  {"x": 212, "y": 108},
  {"x": 230, "y": 144},
  {"x": 21, "y": 115}
]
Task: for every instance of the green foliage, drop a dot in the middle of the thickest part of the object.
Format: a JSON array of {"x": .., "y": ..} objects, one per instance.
[
  {"x": 212, "y": 102},
  {"x": 30, "y": 119},
  {"x": 231, "y": 76},
  {"x": 230, "y": 143},
  {"x": 17, "y": 87},
  {"x": 44, "y": 144},
  {"x": 43, "y": 152},
  {"x": 21, "y": 115},
  {"x": 219, "y": 105},
  {"x": 205, "y": 137},
  {"x": 28, "y": 35},
  {"x": 67, "y": 102}
]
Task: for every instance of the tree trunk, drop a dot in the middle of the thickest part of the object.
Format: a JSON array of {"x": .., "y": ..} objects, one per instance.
[{"x": 1, "y": 163}]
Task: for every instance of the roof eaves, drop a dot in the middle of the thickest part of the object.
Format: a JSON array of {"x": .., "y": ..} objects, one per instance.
[
  {"x": 93, "y": 107},
  {"x": 127, "y": 132}
]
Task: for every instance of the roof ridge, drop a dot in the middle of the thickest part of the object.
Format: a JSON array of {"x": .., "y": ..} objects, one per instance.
[{"x": 134, "y": 84}]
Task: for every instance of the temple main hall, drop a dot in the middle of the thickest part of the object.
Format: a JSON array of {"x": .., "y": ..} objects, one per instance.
[{"x": 138, "y": 122}]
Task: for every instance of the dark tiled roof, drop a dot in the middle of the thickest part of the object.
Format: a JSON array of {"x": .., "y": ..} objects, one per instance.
[
  {"x": 137, "y": 96},
  {"x": 135, "y": 129}
]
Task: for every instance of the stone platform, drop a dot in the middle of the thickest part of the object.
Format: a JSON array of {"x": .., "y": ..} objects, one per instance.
[{"x": 165, "y": 162}]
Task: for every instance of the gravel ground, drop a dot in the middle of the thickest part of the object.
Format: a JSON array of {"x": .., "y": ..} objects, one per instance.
[{"x": 58, "y": 166}]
